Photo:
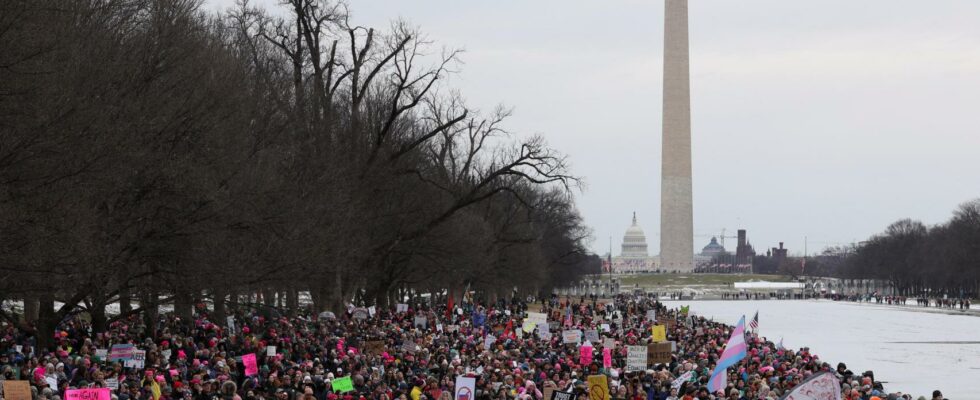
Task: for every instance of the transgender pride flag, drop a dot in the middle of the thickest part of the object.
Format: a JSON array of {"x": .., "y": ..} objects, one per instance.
[{"x": 734, "y": 352}]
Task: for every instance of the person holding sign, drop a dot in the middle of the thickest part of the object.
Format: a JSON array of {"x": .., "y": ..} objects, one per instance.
[{"x": 659, "y": 333}]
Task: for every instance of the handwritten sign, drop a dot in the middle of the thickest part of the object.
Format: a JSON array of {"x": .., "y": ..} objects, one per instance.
[
  {"x": 606, "y": 357},
  {"x": 592, "y": 335},
  {"x": 88, "y": 394},
  {"x": 136, "y": 360},
  {"x": 585, "y": 355},
  {"x": 636, "y": 358},
  {"x": 251, "y": 366},
  {"x": 270, "y": 351},
  {"x": 16, "y": 390},
  {"x": 342, "y": 384},
  {"x": 571, "y": 336}
]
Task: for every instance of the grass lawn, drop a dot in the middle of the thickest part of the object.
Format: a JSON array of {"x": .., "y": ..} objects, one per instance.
[{"x": 650, "y": 280}]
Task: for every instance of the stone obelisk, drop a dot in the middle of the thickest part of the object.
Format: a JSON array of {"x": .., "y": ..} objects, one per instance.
[{"x": 676, "y": 211}]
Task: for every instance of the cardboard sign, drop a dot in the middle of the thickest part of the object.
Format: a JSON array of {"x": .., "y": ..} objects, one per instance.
[
  {"x": 270, "y": 351},
  {"x": 251, "y": 366},
  {"x": 658, "y": 353},
  {"x": 659, "y": 333},
  {"x": 374, "y": 347},
  {"x": 571, "y": 336},
  {"x": 16, "y": 390},
  {"x": 88, "y": 394},
  {"x": 636, "y": 358},
  {"x": 465, "y": 388},
  {"x": 592, "y": 335},
  {"x": 342, "y": 385},
  {"x": 598, "y": 387}
]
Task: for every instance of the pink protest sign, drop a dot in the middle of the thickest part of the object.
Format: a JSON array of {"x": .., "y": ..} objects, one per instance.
[
  {"x": 88, "y": 394},
  {"x": 606, "y": 358},
  {"x": 251, "y": 367},
  {"x": 585, "y": 355}
]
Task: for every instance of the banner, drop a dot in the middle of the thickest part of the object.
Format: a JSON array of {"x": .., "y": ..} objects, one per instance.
[
  {"x": 465, "y": 388},
  {"x": 17, "y": 390},
  {"x": 571, "y": 336},
  {"x": 598, "y": 387},
  {"x": 592, "y": 335},
  {"x": 251, "y": 367},
  {"x": 342, "y": 385},
  {"x": 88, "y": 394},
  {"x": 121, "y": 352},
  {"x": 585, "y": 355},
  {"x": 606, "y": 357},
  {"x": 659, "y": 333},
  {"x": 822, "y": 386},
  {"x": 658, "y": 353},
  {"x": 636, "y": 358}
]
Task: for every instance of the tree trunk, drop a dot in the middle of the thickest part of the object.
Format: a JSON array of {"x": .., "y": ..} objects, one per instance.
[
  {"x": 184, "y": 305},
  {"x": 99, "y": 319},
  {"x": 218, "y": 300},
  {"x": 151, "y": 310},
  {"x": 31, "y": 307},
  {"x": 46, "y": 324},
  {"x": 125, "y": 300},
  {"x": 292, "y": 302}
]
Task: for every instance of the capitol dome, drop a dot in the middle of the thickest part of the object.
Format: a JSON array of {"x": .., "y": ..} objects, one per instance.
[{"x": 634, "y": 241}]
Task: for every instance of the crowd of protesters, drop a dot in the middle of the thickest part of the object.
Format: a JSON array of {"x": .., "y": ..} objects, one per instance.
[{"x": 416, "y": 354}]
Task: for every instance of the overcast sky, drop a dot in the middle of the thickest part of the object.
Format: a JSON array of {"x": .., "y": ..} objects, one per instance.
[{"x": 826, "y": 119}]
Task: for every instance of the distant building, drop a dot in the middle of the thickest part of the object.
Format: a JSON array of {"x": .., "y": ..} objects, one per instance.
[
  {"x": 633, "y": 256},
  {"x": 743, "y": 251}
]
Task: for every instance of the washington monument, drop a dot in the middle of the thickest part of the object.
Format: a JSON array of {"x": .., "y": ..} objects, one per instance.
[{"x": 676, "y": 211}]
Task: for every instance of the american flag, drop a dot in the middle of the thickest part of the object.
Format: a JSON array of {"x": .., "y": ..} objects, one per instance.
[{"x": 754, "y": 324}]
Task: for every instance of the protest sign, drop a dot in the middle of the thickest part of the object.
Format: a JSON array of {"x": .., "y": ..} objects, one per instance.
[
  {"x": 592, "y": 335},
  {"x": 137, "y": 359},
  {"x": 360, "y": 313},
  {"x": 605, "y": 327},
  {"x": 88, "y": 394},
  {"x": 51, "y": 381},
  {"x": 121, "y": 352},
  {"x": 401, "y": 307},
  {"x": 659, "y": 333},
  {"x": 489, "y": 341},
  {"x": 536, "y": 318},
  {"x": 465, "y": 388},
  {"x": 112, "y": 383},
  {"x": 231, "y": 324},
  {"x": 676, "y": 384},
  {"x": 420, "y": 322},
  {"x": 372, "y": 310},
  {"x": 556, "y": 395},
  {"x": 544, "y": 331},
  {"x": 658, "y": 353},
  {"x": 16, "y": 390},
  {"x": 585, "y": 355},
  {"x": 598, "y": 387},
  {"x": 374, "y": 347},
  {"x": 821, "y": 386},
  {"x": 652, "y": 315},
  {"x": 270, "y": 351},
  {"x": 251, "y": 366},
  {"x": 409, "y": 346},
  {"x": 342, "y": 385},
  {"x": 571, "y": 336},
  {"x": 609, "y": 343},
  {"x": 101, "y": 354},
  {"x": 606, "y": 357},
  {"x": 636, "y": 358}
]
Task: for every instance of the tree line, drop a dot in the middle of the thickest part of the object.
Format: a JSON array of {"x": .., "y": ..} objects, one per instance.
[
  {"x": 154, "y": 153},
  {"x": 916, "y": 259}
]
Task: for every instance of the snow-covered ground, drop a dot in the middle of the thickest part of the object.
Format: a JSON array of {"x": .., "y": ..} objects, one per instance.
[{"x": 913, "y": 351}]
